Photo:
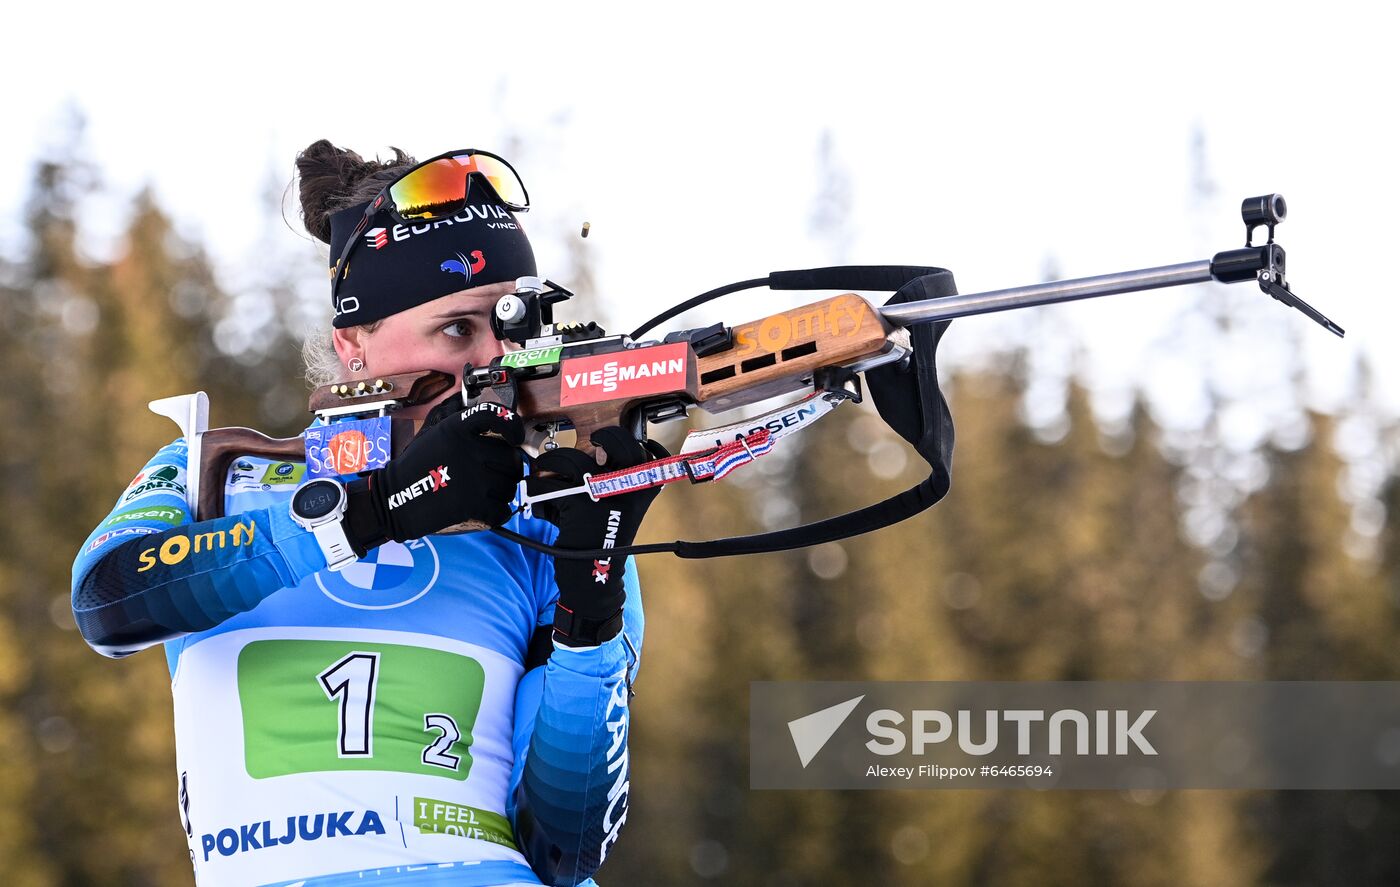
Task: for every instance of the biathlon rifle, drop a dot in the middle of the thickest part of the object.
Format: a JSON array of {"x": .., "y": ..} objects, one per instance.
[{"x": 575, "y": 376}]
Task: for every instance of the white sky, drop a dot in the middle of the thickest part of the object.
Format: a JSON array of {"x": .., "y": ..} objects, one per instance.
[{"x": 988, "y": 138}]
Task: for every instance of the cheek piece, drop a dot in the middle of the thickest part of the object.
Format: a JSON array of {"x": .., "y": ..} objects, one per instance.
[{"x": 395, "y": 266}]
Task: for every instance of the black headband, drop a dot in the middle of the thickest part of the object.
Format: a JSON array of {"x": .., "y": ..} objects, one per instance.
[{"x": 396, "y": 266}]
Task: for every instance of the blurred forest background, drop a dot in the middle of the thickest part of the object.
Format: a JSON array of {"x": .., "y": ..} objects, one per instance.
[{"x": 1070, "y": 548}]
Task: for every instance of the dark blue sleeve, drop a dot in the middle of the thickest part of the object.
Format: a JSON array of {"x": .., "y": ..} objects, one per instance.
[
  {"x": 147, "y": 574},
  {"x": 571, "y": 779}
]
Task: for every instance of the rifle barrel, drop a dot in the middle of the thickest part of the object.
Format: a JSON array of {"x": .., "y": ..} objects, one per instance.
[{"x": 950, "y": 307}]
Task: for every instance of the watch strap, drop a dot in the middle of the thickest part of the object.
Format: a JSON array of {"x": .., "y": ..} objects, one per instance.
[{"x": 335, "y": 545}]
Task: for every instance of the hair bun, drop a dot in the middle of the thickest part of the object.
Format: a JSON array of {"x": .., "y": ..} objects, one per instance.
[{"x": 331, "y": 178}]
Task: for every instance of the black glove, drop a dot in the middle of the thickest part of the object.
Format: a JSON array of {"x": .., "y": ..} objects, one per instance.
[
  {"x": 590, "y": 591},
  {"x": 450, "y": 473}
]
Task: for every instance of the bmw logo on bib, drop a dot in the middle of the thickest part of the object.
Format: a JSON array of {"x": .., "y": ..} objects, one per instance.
[{"x": 392, "y": 575}]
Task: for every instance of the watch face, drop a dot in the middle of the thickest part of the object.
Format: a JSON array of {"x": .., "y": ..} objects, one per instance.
[{"x": 316, "y": 499}]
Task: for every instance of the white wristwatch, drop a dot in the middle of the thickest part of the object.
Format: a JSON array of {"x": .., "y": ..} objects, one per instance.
[{"x": 319, "y": 506}]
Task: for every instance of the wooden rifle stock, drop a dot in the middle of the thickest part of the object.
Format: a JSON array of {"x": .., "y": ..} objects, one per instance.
[
  {"x": 221, "y": 446},
  {"x": 774, "y": 355},
  {"x": 780, "y": 353}
]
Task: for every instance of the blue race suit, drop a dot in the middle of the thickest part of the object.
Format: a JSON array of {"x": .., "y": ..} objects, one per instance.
[{"x": 376, "y": 725}]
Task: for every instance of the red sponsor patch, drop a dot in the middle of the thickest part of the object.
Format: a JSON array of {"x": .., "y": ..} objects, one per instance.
[
  {"x": 620, "y": 374},
  {"x": 349, "y": 452}
]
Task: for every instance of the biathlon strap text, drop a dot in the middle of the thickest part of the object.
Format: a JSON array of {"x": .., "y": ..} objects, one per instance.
[
  {"x": 704, "y": 456},
  {"x": 715, "y": 464}
]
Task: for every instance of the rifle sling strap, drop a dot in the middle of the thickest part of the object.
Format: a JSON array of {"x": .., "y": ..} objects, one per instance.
[{"x": 909, "y": 400}]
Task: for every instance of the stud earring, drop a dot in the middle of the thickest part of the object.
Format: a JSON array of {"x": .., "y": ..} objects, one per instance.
[{"x": 356, "y": 364}]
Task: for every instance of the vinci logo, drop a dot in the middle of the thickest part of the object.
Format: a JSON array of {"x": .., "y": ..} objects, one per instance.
[
  {"x": 377, "y": 237},
  {"x": 634, "y": 373}
]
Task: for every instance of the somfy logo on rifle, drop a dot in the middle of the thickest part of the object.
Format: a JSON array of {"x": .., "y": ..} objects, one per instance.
[
  {"x": 435, "y": 480},
  {"x": 841, "y": 317}
]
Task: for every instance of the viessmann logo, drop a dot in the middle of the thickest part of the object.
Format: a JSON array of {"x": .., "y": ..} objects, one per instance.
[
  {"x": 922, "y": 731},
  {"x": 634, "y": 373}
]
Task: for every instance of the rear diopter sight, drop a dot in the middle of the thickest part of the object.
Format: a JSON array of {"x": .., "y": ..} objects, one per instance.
[{"x": 1267, "y": 210}]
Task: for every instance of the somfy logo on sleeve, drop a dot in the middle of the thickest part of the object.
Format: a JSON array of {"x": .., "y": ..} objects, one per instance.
[{"x": 393, "y": 575}]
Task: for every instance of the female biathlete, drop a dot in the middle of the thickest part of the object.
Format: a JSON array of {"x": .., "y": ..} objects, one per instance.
[{"x": 358, "y": 698}]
